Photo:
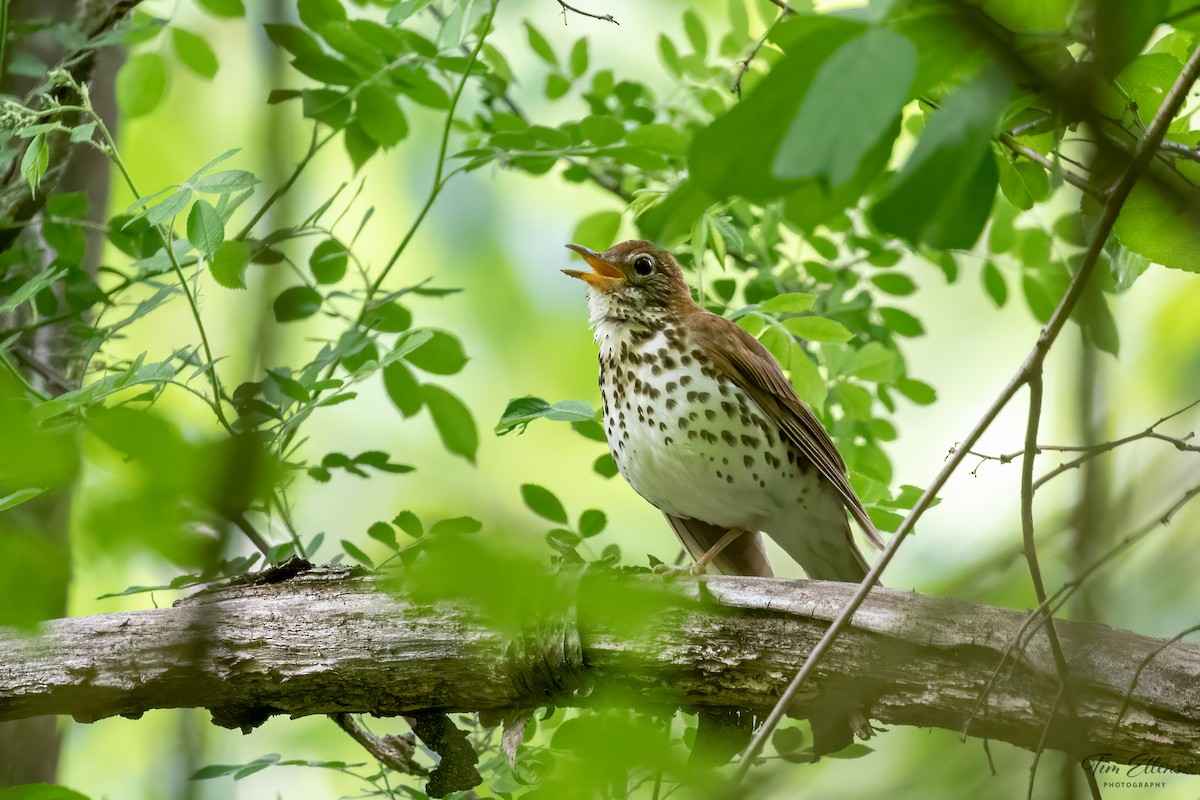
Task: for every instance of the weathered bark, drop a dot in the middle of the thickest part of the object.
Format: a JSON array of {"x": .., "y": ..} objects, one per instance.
[{"x": 324, "y": 642}]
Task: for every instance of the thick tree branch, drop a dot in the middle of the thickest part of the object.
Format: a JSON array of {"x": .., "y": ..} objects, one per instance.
[{"x": 323, "y": 642}]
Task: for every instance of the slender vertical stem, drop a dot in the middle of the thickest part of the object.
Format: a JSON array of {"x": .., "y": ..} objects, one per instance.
[{"x": 439, "y": 176}]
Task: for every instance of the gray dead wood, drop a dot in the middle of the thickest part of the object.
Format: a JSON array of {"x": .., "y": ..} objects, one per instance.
[{"x": 325, "y": 642}]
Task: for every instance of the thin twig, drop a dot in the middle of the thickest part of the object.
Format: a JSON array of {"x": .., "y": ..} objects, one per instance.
[
  {"x": 1089, "y": 452},
  {"x": 57, "y": 384},
  {"x": 1041, "y": 745},
  {"x": 1181, "y": 149},
  {"x": 745, "y": 64},
  {"x": 1082, "y": 184},
  {"x": 1143, "y": 152},
  {"x": 395, "y": 752},
  {"x": 582, "y": 13},
  {"x": 783, "y": 6},
  {"x": 1033, "y": 422}
]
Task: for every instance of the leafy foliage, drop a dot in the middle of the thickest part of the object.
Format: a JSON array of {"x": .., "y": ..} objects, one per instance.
[{"x": 864, "y": 155}]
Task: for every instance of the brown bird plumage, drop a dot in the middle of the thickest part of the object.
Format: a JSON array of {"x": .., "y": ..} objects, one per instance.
[{"x": 700, "y": 420}]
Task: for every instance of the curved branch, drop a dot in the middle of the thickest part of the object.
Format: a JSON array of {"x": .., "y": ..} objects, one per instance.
[{"x": 323, "y": 642}]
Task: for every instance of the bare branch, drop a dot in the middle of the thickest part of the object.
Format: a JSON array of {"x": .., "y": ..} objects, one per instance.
[
  {"x": 911, "y": 659},
  {"x": 1180, "y": 149},
  {"x": 582, "y": 13},
  {"x": 745, "y": 64}
]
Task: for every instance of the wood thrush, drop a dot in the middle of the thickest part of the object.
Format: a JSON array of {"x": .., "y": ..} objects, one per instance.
[{"x": 705, "y": 426}]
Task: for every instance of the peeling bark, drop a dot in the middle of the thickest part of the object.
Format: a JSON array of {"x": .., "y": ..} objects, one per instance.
[{"x": 326, "y": 642}]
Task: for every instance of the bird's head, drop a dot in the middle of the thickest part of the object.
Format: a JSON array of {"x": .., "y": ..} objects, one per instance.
[{"x": 634, "y": 277}]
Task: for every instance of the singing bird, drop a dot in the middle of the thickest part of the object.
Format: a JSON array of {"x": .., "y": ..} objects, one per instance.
[{"x": 704, "y": 425}]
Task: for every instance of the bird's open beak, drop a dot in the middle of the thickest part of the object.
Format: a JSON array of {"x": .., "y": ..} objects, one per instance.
[{"x": 604, "y": 276}]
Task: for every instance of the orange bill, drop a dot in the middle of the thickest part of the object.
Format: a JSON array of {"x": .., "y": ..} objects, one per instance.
[{"x": 605, "y": 276}]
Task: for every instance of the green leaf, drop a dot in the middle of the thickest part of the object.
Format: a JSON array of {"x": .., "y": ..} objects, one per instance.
[
  {"x": 408, "y": 522},
  {"x": 316, "y": 13},
  {"x": 442, "y": 355},
  {"x": 1031, "y": 16},
  {"x": 1038, "y": 296},
  {"x": 599, "y": 230},
  {"x": 579, "y": 57},
  {"x": 523, "y": 410},
  {"x": 540, "y": 46},
  {"x": 1159, "y": 223},
  {"x": 195, "y": 53},
  {"x": 874, "y": 362},
  {"x": 895, "y": 283},
  {"x": 294, "y": 39},
  {"x": 1023, "y": 182},
  {"x": 604, "y": 466},
  {"x": 402, "y": 388},
  {"x": 141, "y": 84},
  {"x": 358, "y": 555},
  {"x": 943, "y": 195},
  {"x": 694, "y": 28},
  {"x": 455, "y": 525},
  {"x": 854, "y": 101},
  {"x": 30, "y": 288},
  {"x": 390, "y": 317},
  {"x": 359, "y": 145},
  {"x": 790, "y": 303},
  {"x": 919, "y": 392},
  {"x": 901, "y": 322},
  {"x": 35, "y": 161},
  {"x": 383, "y": 533},
  {"x": 229, "y": 263},
  {"x": 994, "y": 284},
  {"x": 452, "y": 420},
  {"x": 226, "y": 181},
  {"x": 818, "y": 329},
  {"x": 328, "y": 262},
  {"x": 223, "y": 8},
  {"x": 18, "y": 497},
  {"x": 805, "y": 378},
  {"x": 1122, "y": 29},
  {"x": 542, "y": 502},
  {"x": 205, "y": 228},
  {"x": 1146, "y": 80},
  {"x": 380, "y": 116},
  {"x": 660, "y": 138},
  {"x": 592, "y": 522},
  {"x": 601, "y": 129},
  {"x": 556, "y": 86},
  {"x": 296, "y": 303},
  {"x": 758, "y": 123}
]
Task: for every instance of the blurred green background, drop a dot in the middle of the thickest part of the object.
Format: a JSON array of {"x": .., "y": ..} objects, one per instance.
[{"x": 500, "y": 236}]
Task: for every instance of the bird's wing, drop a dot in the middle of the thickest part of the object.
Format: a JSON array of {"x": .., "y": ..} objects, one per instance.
[
  {"x": 745, "y": 555},
  {"x": 757, "y": 373}
]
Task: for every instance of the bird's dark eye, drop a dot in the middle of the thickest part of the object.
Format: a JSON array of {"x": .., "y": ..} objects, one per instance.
[{"x": 643, "y": 265}]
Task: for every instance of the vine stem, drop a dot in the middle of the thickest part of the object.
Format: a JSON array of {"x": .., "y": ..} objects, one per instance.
[
  {"x": 1143, "y": 151},
  {"x": 168, "y": 236},
  {"x": 439, "y": 175}
]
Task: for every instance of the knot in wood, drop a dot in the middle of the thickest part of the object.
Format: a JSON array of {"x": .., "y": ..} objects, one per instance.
[{"x": 546, "y": 659}]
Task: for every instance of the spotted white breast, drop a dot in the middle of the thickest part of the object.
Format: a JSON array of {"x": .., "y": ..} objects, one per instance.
[{"x": 692, "y": 442}]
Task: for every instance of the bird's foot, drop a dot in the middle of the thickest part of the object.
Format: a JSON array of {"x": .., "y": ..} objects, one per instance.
[{"x": 670, "y": 571}]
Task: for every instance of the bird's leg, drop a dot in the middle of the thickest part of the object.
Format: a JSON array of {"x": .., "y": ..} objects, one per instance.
[{"x": 703, "y": 561}]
